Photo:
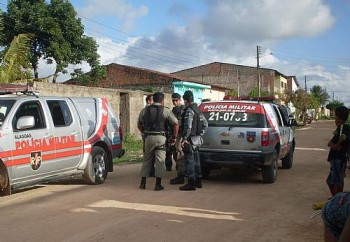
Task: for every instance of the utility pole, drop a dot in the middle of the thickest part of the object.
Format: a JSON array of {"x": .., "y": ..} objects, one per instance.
[
  {"x": 305, "y": 85},
  {"x": 258, "y": 50},
  {"x": 238, "y": 82}
]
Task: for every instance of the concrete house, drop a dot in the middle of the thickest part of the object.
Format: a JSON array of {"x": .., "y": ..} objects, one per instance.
[{"x": 242, "y": 79}]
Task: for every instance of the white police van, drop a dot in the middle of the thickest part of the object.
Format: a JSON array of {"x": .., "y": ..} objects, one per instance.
[
  {"x": 47, "y": 138},
  {"x": 247, "y": 133}
]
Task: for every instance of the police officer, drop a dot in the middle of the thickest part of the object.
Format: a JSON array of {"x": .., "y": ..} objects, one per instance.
[
  {"x": 149, "y": 101},
  {"x": 151, "y": 123},
  {"x": 173, "y": 150},
  {"x": 193, "y": 127},
  {"x": 177, "y": 152}
]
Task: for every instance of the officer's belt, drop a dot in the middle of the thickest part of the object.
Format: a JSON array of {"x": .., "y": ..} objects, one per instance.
[{"x": 155, "y": 133}]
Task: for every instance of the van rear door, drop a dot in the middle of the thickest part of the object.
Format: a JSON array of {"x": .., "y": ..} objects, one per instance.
[{"x": 233, "y": 125}]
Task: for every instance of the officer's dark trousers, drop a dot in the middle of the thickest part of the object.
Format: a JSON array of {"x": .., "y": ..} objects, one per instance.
[
  {"x": 192, "y": 164},
  {"x": 169, "y": 156}
]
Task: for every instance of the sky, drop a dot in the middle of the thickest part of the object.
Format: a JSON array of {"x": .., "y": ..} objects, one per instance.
[{"x": 308, "y": 39}]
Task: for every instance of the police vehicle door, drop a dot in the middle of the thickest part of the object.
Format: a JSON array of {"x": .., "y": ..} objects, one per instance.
[
  {"x": 67, "y": 134},
  {"x": 31, "y": 144},
  {"x": 284, "y": 131}
]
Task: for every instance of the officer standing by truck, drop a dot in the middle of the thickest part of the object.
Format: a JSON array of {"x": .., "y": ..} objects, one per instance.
[
  {"x": 193, "y": 127},
  {"x": 152, "y": 123},
  {"x": 176, "y": 150},
  {"x": 172, "y": 151}
]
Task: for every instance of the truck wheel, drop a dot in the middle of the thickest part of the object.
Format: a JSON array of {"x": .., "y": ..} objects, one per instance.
[
  {"x": 205, "y": 172},
  {"x": 287, "y": 161},
  {"x": 5, "y": 188},
  {"x": 96, "y": 169},
  {"x": 269, "y": 173}
]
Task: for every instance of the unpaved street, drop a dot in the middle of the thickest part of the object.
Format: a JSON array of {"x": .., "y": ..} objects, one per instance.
[{"x": 231, "y": 206}]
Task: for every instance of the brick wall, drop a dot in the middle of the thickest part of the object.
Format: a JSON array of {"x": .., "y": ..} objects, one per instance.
[{"x": 231, "y": 76}]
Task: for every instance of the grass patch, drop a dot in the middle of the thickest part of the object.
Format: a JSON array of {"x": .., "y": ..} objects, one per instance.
[{"x": 133, "y": 149}]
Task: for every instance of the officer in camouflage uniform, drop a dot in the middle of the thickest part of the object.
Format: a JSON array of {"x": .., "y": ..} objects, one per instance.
[
  {"x": 177, "y": 152},
  {"x": 152, "y": 122},
  {"x": 193, "y": 127}
]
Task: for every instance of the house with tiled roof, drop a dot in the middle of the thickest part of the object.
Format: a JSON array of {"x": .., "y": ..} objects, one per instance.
[{"x": 134, "y": 78}]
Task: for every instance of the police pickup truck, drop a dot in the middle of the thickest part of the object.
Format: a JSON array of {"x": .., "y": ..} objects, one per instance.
[
  {"x": 247, "y": 133},
  {"x": 47, "y": 138}
]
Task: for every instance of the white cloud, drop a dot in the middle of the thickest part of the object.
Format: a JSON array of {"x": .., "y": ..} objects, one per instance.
[
  {"x": 120, "y": 9},
  {"x": 230, "y": 30}
]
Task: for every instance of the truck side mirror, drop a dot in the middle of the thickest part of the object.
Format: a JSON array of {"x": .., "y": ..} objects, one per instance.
[
  {"x": 292, "y": 122},
  {"x": 25, "y": 122}
]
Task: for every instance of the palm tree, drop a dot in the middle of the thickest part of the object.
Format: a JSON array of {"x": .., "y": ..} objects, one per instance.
[
  {"x": 14, "y": 63},
  {"x": 320, "y": 93},
  {"x": 14, "y": 59}
]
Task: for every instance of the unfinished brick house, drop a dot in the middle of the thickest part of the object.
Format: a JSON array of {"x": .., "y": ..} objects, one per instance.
[{"x": 242, "y": 79}]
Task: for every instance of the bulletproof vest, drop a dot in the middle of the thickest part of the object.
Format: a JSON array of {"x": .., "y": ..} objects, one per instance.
[
  {"x": 154, "y": 120},
  {"x": 197, "y": 124}
]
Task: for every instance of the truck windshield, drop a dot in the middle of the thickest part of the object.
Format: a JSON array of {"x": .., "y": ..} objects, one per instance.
[{"x": 5, "y": 107}]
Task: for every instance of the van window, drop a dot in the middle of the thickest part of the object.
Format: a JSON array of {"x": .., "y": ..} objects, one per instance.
[
  {"x": 5, "y": 107},
  {"x": 31, "y": 108},
  {"x": 60, "y": 113}
]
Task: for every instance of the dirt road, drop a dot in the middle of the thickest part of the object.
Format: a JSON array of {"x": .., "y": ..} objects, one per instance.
[{"x": 231, "y": 206}]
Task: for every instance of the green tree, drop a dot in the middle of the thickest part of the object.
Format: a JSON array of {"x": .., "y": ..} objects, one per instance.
[
  {"x": 301, "y": 101},
  {"x": 255, "y": 93},
  {"x": 320, "y": 94},
  {"x": 58, "y": 34},
  {"x": 314, "y": 102},
  {"x": 233, "y": 93}
]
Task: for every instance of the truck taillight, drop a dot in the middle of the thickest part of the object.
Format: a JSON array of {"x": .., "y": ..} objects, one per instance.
[
  {"x": 121, "y": 134},
  {"x": 264, "y": 138}
]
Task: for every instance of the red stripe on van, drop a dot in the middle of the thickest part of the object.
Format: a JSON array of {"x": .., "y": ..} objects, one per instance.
[{"x": 104, "y": 120}]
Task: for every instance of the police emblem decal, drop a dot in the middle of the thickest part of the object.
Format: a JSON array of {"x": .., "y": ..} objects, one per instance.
[
  {"x": 251, "y": 136},
  {"x": 35, "y": 160}
]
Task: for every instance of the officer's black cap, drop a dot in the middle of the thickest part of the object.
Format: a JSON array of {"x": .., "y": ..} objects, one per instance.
[
  {"x": 176, "y": 96},
  {"x": 188, "y": 96},
  {"x": 158, "y": 97}
]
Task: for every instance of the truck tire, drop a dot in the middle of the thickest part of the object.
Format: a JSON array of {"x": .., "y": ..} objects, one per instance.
[
  {"x": 5, "y": 188},
  {"x": 269, "y": 173},
  {"x": 287, "y": 161},
  {"x": 96, "y": 169}
]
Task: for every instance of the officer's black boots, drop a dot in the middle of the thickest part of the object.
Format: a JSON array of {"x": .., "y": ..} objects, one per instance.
[
  {"x": 158, "y": 186},
  {"x": 190, "y": 186},
  {"x": 180, "y": 179},
  {"x": 198, "y": 182},
  {"x": 143, "y": 183}
]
